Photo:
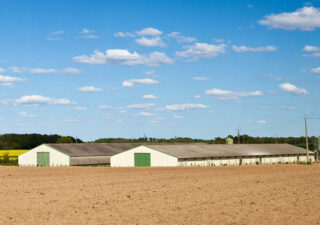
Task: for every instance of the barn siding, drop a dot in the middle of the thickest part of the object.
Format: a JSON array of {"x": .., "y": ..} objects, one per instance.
[
  {"x": 56, "y": 158},
  {"x": 126, "y": 159}
]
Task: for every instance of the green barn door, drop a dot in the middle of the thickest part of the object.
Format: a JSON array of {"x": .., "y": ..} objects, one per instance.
[
  {"x": 43, "y": 159},
  {"x": 142, "y": 159}
]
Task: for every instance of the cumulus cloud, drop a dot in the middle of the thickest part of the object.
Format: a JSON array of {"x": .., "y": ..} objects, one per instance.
[
  {"x": 244, "y": 48},
  {"x": 16, "y": 69},
  {"x": 304, "y": 19},
  {"x": 89, "y": 89},
  {"x": 177, "y": 116},
  {"x": 149, "y": 31},
  {"x": 124, "y": 57},
  {"x": 185, "y": 106},
  {"x": 150, "y": 42},
  {"x": 201, "y": 50},
  {"x": 180, "y": 38},
  {"x": 2, "y": 70},
  {"x": 197, "y": 96},
  {"x": 132, "y": 82},
  {"x": 262, "y": 121},
  {"x": 149, "y": 96},
  {"x": 54, "y": 35},
  {"x": 37, "y": 100},
  {"x": 231, "y": 95},
  {"x": 287, "y": 87},
  {"x": 201, "y": 78},
  {"x": 141, "y": 106},
  {"x": 8, "y": 80}
]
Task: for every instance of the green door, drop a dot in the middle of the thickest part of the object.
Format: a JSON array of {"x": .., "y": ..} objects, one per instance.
[
  {"x": 142, "y": 159},
  {"x": 43, "y": 159}
]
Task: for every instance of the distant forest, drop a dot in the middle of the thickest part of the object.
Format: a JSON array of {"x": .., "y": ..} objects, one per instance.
[{"x": 29, "y": 141}]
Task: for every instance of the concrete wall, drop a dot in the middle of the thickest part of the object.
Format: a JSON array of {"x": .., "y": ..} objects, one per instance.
[
  {"x": 126, "y": 159},
  {"x": 56, "y": 158}
]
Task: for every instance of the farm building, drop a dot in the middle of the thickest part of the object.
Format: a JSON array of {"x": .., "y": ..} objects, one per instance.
[
  {"x": 72, "y": 154},
  {"x": 134, "y": 154},
  {"x": 209, "y": 155}
]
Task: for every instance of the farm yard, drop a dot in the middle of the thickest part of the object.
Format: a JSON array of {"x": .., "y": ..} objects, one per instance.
[{"x": 263, "y": 194}]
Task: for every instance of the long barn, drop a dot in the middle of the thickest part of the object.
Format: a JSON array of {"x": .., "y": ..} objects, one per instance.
[
  {"x": 210, "y": 155},
  {"x": 134, "y": 154}
]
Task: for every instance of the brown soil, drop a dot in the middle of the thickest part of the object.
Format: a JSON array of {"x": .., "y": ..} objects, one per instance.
[{"x": 275, "y": 194}]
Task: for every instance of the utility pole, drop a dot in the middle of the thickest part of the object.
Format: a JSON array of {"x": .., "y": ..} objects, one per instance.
[
  {"x": 238, "y": 136},
  {"x": 306, "y": 130}
]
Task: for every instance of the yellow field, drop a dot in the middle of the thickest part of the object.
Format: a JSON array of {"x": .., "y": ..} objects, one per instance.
[{"x": 11, "y": 153}]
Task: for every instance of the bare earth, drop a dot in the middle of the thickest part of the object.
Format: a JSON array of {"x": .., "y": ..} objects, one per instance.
[{"x": 274, "y": 194}]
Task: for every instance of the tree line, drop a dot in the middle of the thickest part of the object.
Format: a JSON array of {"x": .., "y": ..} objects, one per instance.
[{"x": 29, "y": 141}]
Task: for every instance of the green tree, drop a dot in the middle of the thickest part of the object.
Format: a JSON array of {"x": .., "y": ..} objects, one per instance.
[{"x": 65, "y": 140}]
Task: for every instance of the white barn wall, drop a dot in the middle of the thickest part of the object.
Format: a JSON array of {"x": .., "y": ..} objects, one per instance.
[
  {"x": 56, "y": 158},
  {"x": 126, "y": 159}
]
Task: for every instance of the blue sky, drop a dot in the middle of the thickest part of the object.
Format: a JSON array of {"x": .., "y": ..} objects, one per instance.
[{"x": 200, "y": 69}]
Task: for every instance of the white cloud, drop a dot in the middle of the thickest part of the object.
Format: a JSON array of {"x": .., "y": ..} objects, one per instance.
[
  {"x": 274, "y": 77},
  {"x": 2, "y": 70},
  {"x": 262, "y": 121},
  {"x": 180, "y": 38},
  {"x": 37, "y": 100},
  {"x": 231, "y": 95},
  {"x": 201, "y": 78},
  {"x": 124, "y": 34},
  {"x": 197, "y": 96},
  {"x": 105, "y": 107},
  {"x": 72, "y": 71},
  {"x": 80, "y": 108},
  {"x": 141, "y": 106},
  {"x": 177, "y": 116},
  {"x": 149, "y": 96},
  {"x": 86, "y": 31},
  {"x": 287, "y": 87},
  {"x": 132, "y": 82},
  {"x": 313, "y": 50},
  {"x": 8, "y": 80},
  {"x": 218, "y": 40},
  {"x": 124, "y": 57},
  {"x": 150, "y": 42},
  {"x": 144, "y": 114},
  {"x": 315, "y": 70},
  {"x": 16, "y": 69},
  {"x": 244, "y": 48},
  {"x": 185, "y": 106},
  {"x": 89, "y": 89},
  {"x": 201, "y": 50},
  {"x": 304, "y": 19},
  {"x": 26, "y": 115},
  {"x": 310, "y": 48},
  {"x": 149, "y": 31},
  {"x": 314, "y": 54}
]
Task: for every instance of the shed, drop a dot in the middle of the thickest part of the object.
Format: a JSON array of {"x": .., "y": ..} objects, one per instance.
[{"x": 72, "y": 154}]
